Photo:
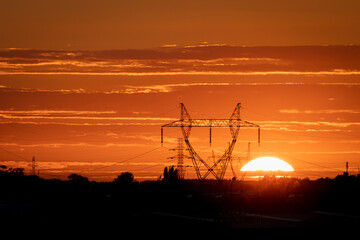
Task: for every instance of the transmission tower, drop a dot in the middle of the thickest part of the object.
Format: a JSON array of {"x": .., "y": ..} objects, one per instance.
[
  {"x": 180, "y": 157},
  {"x": 234, "y": 123},
  {"x": 33, "y": 172}
]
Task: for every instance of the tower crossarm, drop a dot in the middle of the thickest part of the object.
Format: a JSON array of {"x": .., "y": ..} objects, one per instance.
[{"x": 210, "y": 123}]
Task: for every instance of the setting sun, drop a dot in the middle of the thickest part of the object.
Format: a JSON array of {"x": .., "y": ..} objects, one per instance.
[{"x": 267, "y": 164}]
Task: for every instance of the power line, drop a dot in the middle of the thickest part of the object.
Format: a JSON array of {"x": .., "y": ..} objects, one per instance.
[
  {"x": 14, "y": 154},
  {"x": 128, "y": 159},
  {"x": 277, "y": 119},
  {"x": 73, "y": 137},
  {"x": 296, "y": 159},
  {"x": 48, "y": 137},
  {"x": 147, "y": 167}
]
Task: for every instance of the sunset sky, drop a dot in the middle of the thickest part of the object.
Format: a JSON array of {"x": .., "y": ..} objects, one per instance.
[{"x": 86, "y": 85}]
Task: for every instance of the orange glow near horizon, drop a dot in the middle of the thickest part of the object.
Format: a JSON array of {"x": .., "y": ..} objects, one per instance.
[
  {"x": 86, "y": 86},
  {"x": 100, "y": 126}
]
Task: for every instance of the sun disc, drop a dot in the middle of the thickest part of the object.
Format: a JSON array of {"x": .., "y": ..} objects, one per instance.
[{"x": 267, "y": 164}]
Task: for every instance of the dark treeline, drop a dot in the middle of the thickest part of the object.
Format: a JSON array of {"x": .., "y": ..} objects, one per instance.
[{"x": 125, "y": 202}]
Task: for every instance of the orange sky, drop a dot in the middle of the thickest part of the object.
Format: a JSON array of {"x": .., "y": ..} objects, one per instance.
[
  {"x": 86, "y": 86},
  {"x": 113, "y": 24}
]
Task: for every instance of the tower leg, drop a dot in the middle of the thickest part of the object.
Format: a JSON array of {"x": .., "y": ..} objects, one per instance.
[{"x": 162, "y": 136}]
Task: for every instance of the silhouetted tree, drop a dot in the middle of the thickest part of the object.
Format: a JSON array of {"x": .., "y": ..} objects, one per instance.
[
  {"x": 11, "y": 171},
  {"x": 17, "y": 171},
  {"x": 77, "y": 178},
  {"x": 170, "y": 174},
  {"x": 125, "y": 177}
]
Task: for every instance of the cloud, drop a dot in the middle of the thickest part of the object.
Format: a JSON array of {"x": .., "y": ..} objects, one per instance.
[
  {"x": 329, "y": 152},
  {"x": 77, "y": 118},
  {"x": 182, "y": 72},
  {"x": 212, "y": 59},
  {"x": 326, "y": 111},
  {"x": 167, "y": 88},
  {"x": 53, "y": 112},
  {"x": 206, "y": 44},
  {"x": 169, "y": 45},
  {"x": 132, "y": 123},
  {"x": 10, "y": 116},
  {"x": 307, "y": 123},
  {"x": 76, "y": 145}
]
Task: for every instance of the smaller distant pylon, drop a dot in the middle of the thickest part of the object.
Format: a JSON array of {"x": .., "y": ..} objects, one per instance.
[
  {"x": 180, "y": 158},
  {"x": 33, "y": 165}
]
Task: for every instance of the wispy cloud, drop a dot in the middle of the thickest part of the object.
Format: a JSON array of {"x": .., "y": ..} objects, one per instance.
[
  {"x": 290, "y": 125},
  {"x": 76, "y": 145},
  {"x": 324, "y": 111},
  {"x": 166, "y": 88},
  {"x": 87, "y": 123},
  {"x": 9, "y": 116},
  {"x": 53, "y": 112},
  {"x": 199, "y": 59},
  {"x": 329, "y": 152},
  {"x": 182, "y": 72},
  {"x": 76, "y": 118}
]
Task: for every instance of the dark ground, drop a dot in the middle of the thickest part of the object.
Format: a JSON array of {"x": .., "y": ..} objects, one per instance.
[{"x": 31, "y": 202}]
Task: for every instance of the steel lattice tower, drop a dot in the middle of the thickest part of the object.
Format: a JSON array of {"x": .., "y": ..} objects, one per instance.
[
  {"x": 180, "y": 157},
  {"x": 234, "y": 123},
  {"x": 33, "y": 165}
]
